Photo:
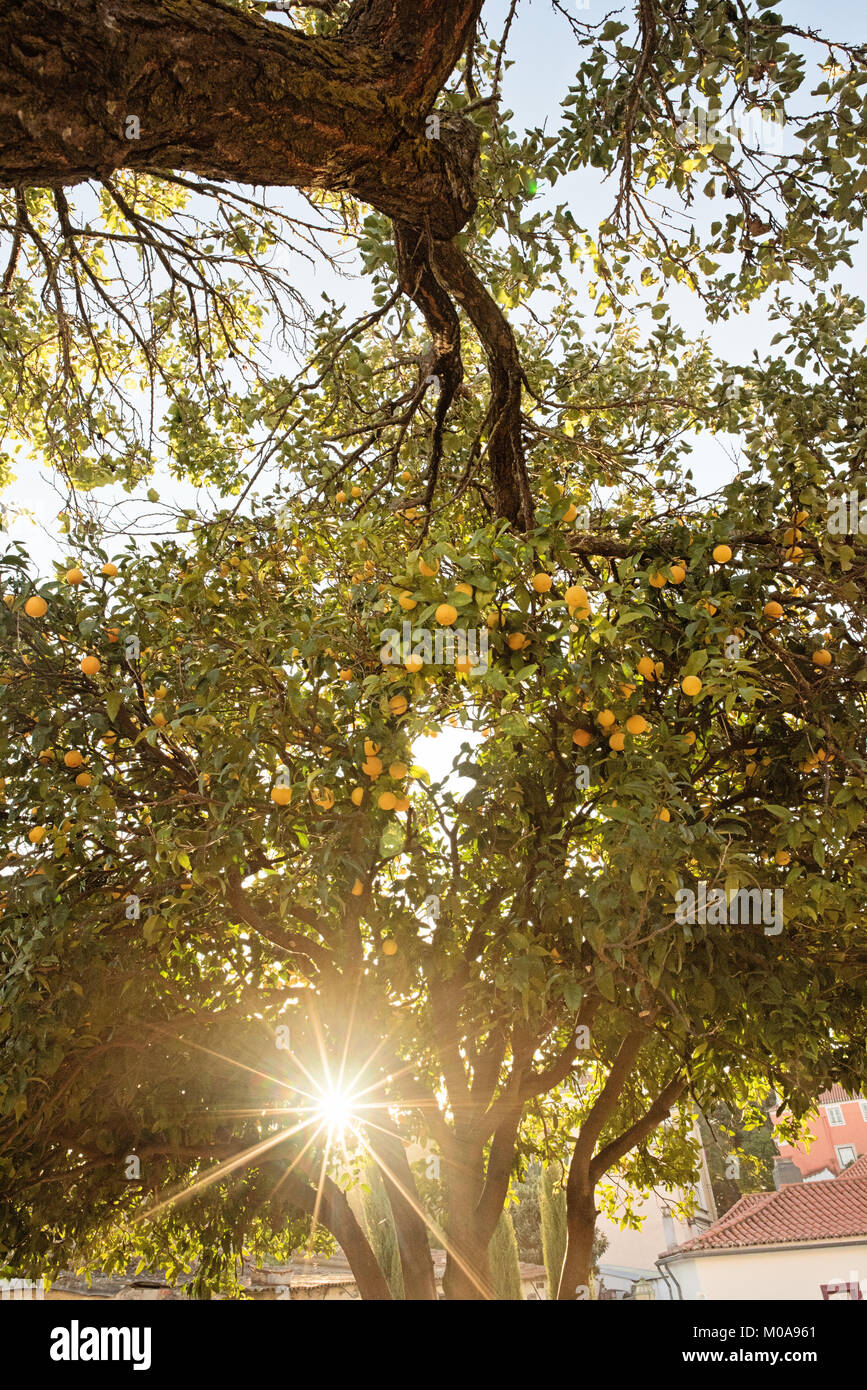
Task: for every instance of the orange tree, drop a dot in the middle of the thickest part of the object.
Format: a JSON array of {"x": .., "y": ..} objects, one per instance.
[{"x": 240, "y": 920}]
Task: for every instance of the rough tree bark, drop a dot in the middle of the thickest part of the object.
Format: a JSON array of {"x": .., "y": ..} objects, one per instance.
[{"x": 228, "y": 95}]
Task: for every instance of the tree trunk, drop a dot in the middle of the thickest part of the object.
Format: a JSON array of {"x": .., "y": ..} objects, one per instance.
[
  {"x": 581, "y": 1225},
  {"x": 229, "y": 95},
  {"x": 419, "y": 1279},
  {"x": 336, "y": 1215}
]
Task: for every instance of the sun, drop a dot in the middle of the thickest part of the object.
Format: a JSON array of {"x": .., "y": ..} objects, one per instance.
[{"x": 334, "y": 1108}]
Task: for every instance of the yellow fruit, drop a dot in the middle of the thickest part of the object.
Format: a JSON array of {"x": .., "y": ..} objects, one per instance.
[
  {"x": 656, "y": 580},
  {"x": 722, "y": 554},
  {"x": 605, "y": 718},
  {"x": 83, "y": 779},
  {"x": 73, "y": 758},
  {"x": 463, "y": 665},
  {"x": 36, "y": 834},
  {"x": 74, "y": 576},
  {"x": 822, "y": 657},
  {"x": 160, "y": 693},
  {"x": 636, "y": 724},
  {"x": 372, "y": 768},
  {"x": 782, "y": 857},
  {"x": 428, "y": 570},
  {"x": 678, "y": 574},
  {"x": 281, "y": 796},
  {"x": 576, "y": 596},
  {"x": 341, "y": 496},
  {"x": 407, "y": 602},
  {"x": 570, "y": 513},
  {"x": 357, "y": 888},
  {"x": 801, "y": 518},
  {"x": 346, "y": 673},
  {"x": 356, "y": 491},
  {"x": 516, "y": 641},
  {"x": 402, "y": 803},
  {"x": 389, "y": 947},
  {"x": 90, "y": 665},
  {"x": 446, "y": 614},
  {"x": 370, "y": 748},
  {"x": 413, "y": 664},
  {"x": 159, "y": 719},
  {"x": 617, "y": 742},
  {"x": 36, "y": 607},
  {"x": 398, "y": 704},
  {"x": 357, "y": 796},
  {"x": 582, "y": 737},
  {"x": 663, "y": 814},
  {"x": 773, "y": 609},
  {"x": 397, "y": 771},
  {"x": 110, "y": 571},
  {"x": 646, "y": 668},
  {"x": 689, "y": 737},
  {"x": 541, "y": 583},
  {"x": 386, "y": 801},
  {"x": 690, "y": 685},
  {"x": 464, "y": 589}
]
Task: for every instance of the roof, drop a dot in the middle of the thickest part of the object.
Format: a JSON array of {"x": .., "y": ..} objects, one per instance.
[
  {"x": 798, "y": 1212},
  {"x": 838, "y": 1096}
]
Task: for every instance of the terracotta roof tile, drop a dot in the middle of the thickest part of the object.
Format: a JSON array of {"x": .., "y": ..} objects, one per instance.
[
  {"x": 798, "y": 1212},
  {"x": 838, "y": 1096}
]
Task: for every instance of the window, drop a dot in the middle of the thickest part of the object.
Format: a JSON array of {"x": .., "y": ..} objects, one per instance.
[
  {"x": 845, "y": 1154},
  {"x": 850, "y": 1291},
  {"x": 835, "y": 1114},
  {"x": 863, "y": 1104}
]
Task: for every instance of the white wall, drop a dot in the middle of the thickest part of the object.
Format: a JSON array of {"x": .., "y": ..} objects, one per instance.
[{"x": 794, "y": 1272}]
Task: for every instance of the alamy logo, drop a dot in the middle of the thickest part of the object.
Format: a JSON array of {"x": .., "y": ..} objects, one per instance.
[
  {"x": 75, "y": 1343},
  {"x": 757, "y": 129},
  {"x": 717, "y": 908},
  {"x": 21, "y": 1289},
  {"x": 847, "y": 515},
  {"x": 446, "y": 647}
]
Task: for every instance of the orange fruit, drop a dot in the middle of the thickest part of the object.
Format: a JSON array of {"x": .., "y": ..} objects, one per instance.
[
  {"x": 782, "y": 857},
  {"x": 617, "y": 742},
  {"x": 341, "y": 496},
  {"x": 36, "y": 834},
  {"x": 74, "y": 576},
  {"x": 413, "y": 664},
  {"x": 772, "y": 609},
  {"x": 582, "y": 737},
  {"x": 109, "y": 570},
  {"x": 570, "y": 513},
  {"x": 36, "y": 607},
  {"x": 357, "y": 796},
  {"x": 517, "y": 640},
  {"x": 346, "y": 673},
  {"x": 576, "y": 596},
  {"x": 637, "y": 724},
  {"x": 446, "y": 614},
  {"x": 464, "y": 589},
  {"x": 322, "y": 796},
  {"x": 656, "y": 580},
  {"x": 398, "y": 704},
  {"x": 541, "y": 583},
  {"x": 357, "y": 888},
  {"x": 159, "y": 719},
  {"x": 822, "y": 657},
  {"x": 605, "y": 718},
  {"x": 678, "y": 574},
  {"x": 372, "y": 767},
  {"x": 90, "y": 665},
  {"x": 690, "y": 685},
  {"x": 370, "y": 748},
  {"x": 397, "y": 771},
  {"x": 73, "y": 758},
  {"x": 281, "y": 796},
  {"x": 83, "y": 779},
  {"x": 722, "y": 554},
  {"x": 663, "y": 814},
  {"x": 428, "y": 570},
  {"x": 386, "y": 801},
  {"x": 646, "y": 668},
  {"x": 389, "y": 947},
  {"x": 402, "y": 803},
  {"x": 689, "y": 737},
  {"x": 407, "y": 602}
]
